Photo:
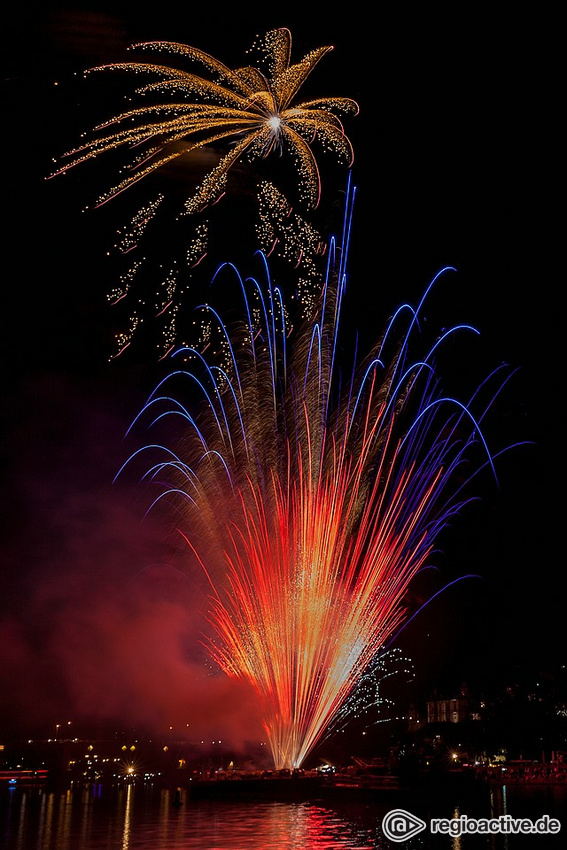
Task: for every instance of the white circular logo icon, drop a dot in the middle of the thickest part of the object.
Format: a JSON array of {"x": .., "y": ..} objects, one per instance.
[{"x": 399, "y": 825}]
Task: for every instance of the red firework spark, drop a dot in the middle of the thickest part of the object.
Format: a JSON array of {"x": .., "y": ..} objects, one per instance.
[{"x": 310, "y": 519}]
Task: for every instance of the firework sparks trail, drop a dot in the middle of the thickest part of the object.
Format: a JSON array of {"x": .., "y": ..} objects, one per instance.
[
  {"x": 310, "y": 508},
  {"x": 366, "y": 699},
  {"x": 257, "y": 109},
  {"x": 215, "y": 121}
]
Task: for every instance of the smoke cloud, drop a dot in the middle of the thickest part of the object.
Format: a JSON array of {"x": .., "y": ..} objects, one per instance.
[{"x": 104, "y": 615}]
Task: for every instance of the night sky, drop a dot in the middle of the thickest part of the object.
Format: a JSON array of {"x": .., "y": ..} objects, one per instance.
[{"x": 454, "y": 166}]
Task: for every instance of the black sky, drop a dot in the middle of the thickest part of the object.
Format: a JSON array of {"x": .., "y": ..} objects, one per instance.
[{"x": 454, "y": 165}]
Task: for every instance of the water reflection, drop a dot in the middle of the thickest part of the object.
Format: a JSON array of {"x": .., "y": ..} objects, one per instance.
[
  {"x": 457, "y": 844},
  {"x": 139, "y": 817},
  {"x": 64, "y": 824},
  {"x": 499, "y": 806},
  {"x": 127, "y": 817}
]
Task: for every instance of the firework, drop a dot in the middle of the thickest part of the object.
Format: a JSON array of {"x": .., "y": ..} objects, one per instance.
[
  {"x": 257, "y": 110},
  {"x": 217, "y": 120},
  {"x": 310, "y": 506},
  {"x": 367, "y": 700}
]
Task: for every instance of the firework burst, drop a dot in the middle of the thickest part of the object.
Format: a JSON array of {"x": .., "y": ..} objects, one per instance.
[
  {"x": 217, "y": 120},
  {"x": 310, "y": 506},
  {"x": 258, "y": 111}
]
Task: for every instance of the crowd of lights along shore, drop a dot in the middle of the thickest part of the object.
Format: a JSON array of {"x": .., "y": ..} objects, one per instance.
[
  {"x": 219, "y": 118},
  {"x": 309, "y": 501}
]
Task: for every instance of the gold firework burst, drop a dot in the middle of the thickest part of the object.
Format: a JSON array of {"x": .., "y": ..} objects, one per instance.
[{"x": 256, "y": 111}]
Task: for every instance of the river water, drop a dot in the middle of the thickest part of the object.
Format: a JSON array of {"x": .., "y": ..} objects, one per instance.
[{"x": 144, "y": 817}]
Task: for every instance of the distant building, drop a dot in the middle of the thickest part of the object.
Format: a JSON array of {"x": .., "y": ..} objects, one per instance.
[{"x": 454, "y": 710}]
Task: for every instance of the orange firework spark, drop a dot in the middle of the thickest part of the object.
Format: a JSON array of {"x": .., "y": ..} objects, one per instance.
[
  {"x": 212, "y": 123},
  {"x": 309, "y": 518},
  {"x": 258, "y": 111}
]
